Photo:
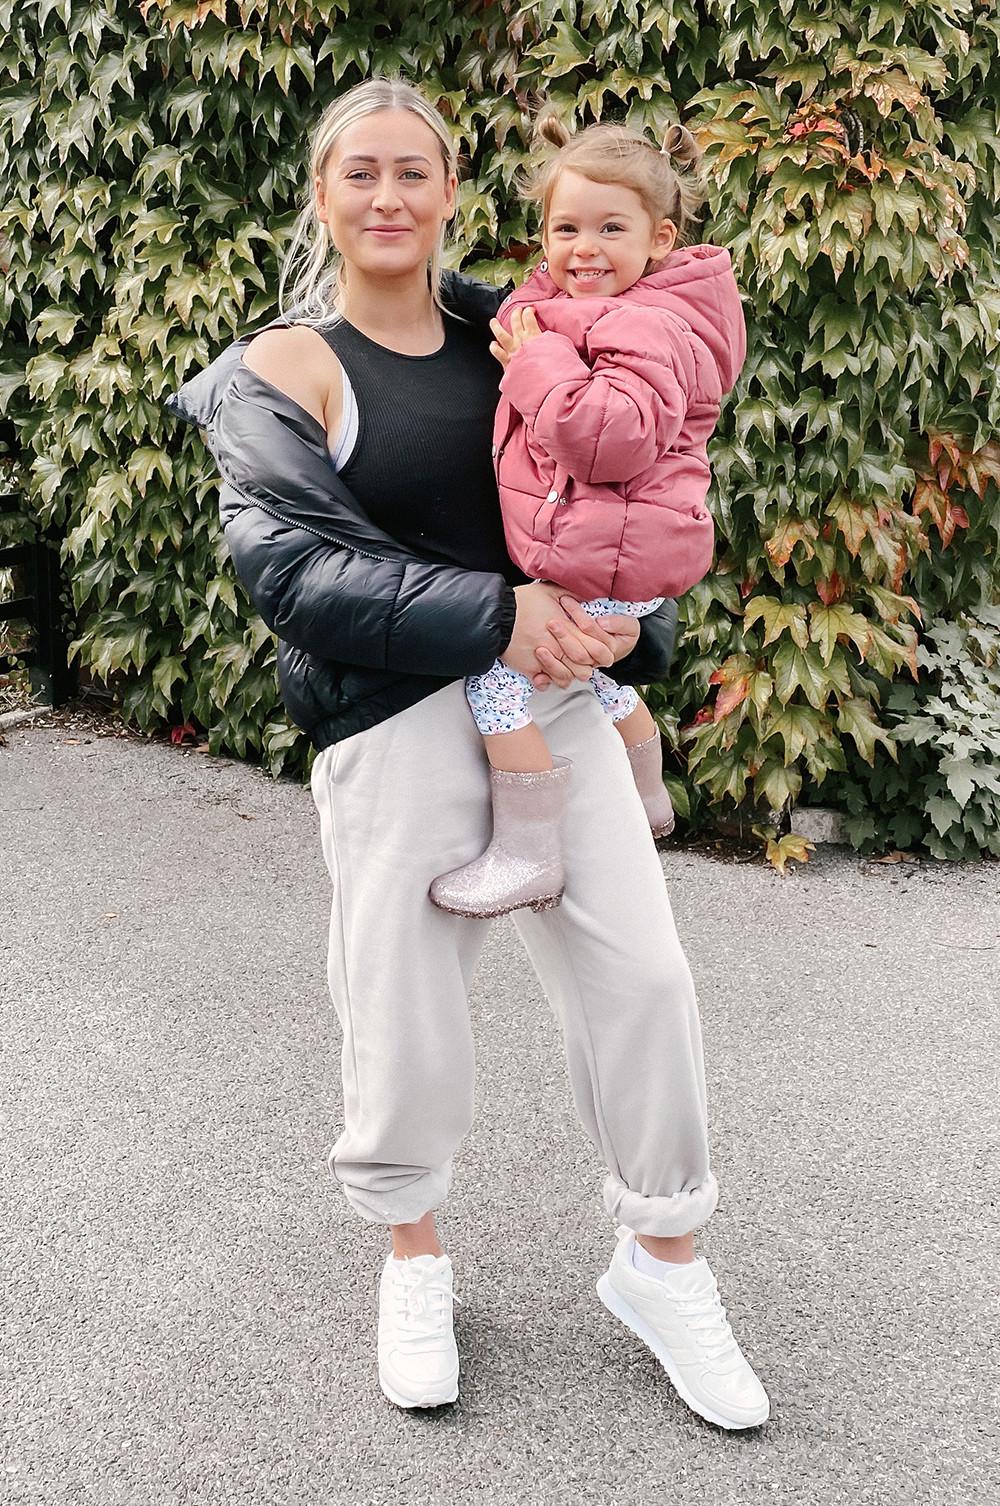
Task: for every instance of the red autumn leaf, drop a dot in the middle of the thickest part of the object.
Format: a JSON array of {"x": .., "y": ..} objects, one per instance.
[
  {"x": 946, "y": 515},
  {"x": 731, "y": 695},
  {"x": 178, "y": 734},
  {"x": 830, "y": 590}
]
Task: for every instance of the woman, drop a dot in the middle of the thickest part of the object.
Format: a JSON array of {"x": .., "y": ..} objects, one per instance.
[{"x": 361, "y": 513}]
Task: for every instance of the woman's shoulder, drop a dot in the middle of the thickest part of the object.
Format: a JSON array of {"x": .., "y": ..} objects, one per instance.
[{"x": 301, "y": 363}]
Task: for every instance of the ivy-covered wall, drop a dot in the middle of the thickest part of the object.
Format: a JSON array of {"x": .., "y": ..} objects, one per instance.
[{"x": 151, "y": 159}]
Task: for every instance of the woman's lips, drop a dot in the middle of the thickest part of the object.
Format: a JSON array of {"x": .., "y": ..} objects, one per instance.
[{"x": 388, "y": 230}]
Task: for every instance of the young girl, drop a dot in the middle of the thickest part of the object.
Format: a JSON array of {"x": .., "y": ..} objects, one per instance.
[{"x": 617, "y": 352}]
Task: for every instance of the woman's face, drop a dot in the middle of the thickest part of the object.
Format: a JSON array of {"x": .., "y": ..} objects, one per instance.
[{"x": 384, "y": 193}]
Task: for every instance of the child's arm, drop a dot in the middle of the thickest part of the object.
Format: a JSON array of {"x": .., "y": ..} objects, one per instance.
[{"x": 609, "y": 420}]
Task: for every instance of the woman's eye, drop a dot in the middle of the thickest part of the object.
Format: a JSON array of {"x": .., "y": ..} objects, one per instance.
[
  {"x": 359, "y": 172},
  {"x": 414, "y": 172}
]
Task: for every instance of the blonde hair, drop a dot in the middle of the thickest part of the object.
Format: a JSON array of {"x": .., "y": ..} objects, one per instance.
[
  {"x": 666, "y": 178},
  {"x": 311, "y": 281}
]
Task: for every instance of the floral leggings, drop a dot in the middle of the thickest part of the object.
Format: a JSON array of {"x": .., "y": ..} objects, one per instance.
[{"x": 499, "y": 698}]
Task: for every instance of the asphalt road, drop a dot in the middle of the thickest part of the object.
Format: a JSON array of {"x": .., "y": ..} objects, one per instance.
[{"x": 188, "y": 1304}]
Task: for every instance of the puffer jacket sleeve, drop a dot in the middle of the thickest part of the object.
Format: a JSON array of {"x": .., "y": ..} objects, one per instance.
[
  {"x": 608, "y": 420},
  {"x": 395, "y": 614},
  {"x": 653, "y": 654}
]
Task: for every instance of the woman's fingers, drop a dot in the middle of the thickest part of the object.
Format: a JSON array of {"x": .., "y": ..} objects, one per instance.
[
  {"x": 583, "y": 645},
  {"x": 592, "y": 626},
  {"x": 624, "y": 633},
  {"x": 560, "y": 671}
]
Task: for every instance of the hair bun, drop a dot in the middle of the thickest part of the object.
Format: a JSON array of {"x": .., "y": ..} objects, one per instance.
[
  {"x": 551, "y": 128},
  {"x": 680, "y": 146}
]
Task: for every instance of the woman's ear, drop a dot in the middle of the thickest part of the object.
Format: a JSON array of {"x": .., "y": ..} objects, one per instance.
[
  {"x": 319, "y": 197},
  {"x": 663, "y": 240},
  {"x": 451, "y": 196}
]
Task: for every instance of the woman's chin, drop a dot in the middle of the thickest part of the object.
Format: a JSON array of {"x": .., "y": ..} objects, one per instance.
[{"x": 395, "y": 259}]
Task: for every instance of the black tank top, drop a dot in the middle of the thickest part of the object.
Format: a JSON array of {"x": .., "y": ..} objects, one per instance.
[{"x": 422, "y": 466}]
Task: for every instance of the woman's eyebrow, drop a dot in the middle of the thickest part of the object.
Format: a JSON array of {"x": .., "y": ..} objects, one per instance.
[{"x": 413, "y": 157}]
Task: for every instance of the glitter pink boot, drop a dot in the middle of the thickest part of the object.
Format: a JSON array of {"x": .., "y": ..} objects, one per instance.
[
  {"x": 646, "y": 759},
  {"x": 522, "y": 867}
]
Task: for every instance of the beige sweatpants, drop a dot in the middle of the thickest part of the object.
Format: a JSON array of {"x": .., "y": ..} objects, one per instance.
[{"x": 409, "y": 799}]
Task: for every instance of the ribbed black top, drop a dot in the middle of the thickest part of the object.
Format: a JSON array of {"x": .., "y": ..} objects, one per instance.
[{"x": 422, "y": 466}]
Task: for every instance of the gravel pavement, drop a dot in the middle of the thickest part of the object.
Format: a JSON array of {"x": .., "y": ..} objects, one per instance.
[{"x": 188, "y": 1303}]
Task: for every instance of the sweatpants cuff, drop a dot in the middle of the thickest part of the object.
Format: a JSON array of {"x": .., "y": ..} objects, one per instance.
[
  {"x": 663, "y": 1217},
  {"x": 399, "y": 1205}
]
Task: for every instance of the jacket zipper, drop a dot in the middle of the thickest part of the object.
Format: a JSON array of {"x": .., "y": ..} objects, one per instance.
[{"x": 327, "y": 537}]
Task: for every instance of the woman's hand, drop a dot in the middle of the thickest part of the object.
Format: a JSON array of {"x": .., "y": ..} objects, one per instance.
[
  {"x": 625, "y": 633},
  {"x": 621, "y": 633},
  {"x": 523, "y": 327},
  {"x": 554, "y": 640}
]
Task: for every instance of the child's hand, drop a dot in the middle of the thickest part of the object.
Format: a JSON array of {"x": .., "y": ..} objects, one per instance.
[{"x": 523, "y": 327}]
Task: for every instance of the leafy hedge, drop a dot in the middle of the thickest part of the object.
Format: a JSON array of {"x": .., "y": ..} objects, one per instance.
[{"x": 151, "y": 158}]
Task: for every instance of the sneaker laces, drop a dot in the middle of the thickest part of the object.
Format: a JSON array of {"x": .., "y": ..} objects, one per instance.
[
  {"x": 421, "y": 1302},
  {"x": 705, "y": 1315}
]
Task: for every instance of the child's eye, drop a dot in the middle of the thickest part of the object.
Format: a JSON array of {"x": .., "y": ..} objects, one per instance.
[
  {"x": 565, "y": 229},
  {"x": 614, "y": 227}
]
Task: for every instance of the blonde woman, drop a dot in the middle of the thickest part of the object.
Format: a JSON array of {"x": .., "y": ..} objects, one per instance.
[{"x": 361, "y": 511}]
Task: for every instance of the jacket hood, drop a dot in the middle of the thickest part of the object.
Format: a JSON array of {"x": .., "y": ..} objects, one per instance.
[{"x": 694, "y": 283}]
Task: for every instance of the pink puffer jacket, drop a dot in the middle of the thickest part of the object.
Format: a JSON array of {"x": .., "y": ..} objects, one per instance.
[{"x": 601, "y": 432}]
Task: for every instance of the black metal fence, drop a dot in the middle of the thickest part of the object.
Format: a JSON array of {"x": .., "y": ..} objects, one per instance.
[{"x": 46, "y": 658}]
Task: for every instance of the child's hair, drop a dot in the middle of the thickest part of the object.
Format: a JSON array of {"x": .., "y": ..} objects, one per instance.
[
  {"x": 666, "y": 178},
  {"x": 312, "y": 265}
]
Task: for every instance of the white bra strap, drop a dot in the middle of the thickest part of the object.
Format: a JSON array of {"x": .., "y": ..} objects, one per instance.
[{"x": 341, "y": 451}]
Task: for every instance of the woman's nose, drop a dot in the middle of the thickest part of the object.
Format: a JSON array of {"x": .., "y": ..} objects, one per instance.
[{"x": 386, "y": 196}]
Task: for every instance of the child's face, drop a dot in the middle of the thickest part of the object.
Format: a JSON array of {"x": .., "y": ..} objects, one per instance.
[{"x": 599, "y": 237}]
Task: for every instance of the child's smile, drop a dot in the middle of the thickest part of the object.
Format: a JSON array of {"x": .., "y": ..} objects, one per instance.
[{"x": 599, "y": 237}]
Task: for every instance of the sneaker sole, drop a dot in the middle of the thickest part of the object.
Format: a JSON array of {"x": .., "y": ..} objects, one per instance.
[
  {"x": 427, "y": 1399},
  {"x": 627, "y": 1315}
]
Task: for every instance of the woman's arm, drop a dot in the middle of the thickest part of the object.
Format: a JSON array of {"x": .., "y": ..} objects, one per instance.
[
  {"x": 401, "y": 614},
  {"x": 299, "y": 361},
  {"x": 653, "y": 655}
]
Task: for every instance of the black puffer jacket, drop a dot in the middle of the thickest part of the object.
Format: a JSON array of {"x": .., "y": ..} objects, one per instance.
[{"x": 364, "y": 627}]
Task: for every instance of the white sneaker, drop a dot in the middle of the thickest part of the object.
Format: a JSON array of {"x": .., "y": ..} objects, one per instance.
[
  {"x": 417, "y": 1357},
  {"x": 683, "y": 1321}
]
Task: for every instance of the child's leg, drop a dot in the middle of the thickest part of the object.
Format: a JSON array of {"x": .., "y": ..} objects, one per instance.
[
  {"x": 630, "y": 715},
  {"x": 522, "y": 867},
  {"x": 499, "y": 702},
  {"x": 635, "y": 723}
]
